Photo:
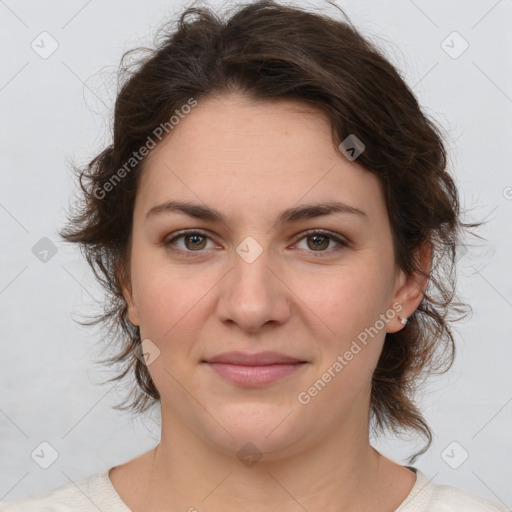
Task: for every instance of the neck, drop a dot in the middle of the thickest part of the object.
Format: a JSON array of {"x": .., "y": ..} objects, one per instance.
[{"x": 342, "y": 472}]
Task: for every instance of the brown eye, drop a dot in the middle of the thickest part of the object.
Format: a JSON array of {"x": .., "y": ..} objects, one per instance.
[
  {"x": 193, "y": 242},
  {"x": 196, "y": 241},
  {"x": 318, "y": 242}
]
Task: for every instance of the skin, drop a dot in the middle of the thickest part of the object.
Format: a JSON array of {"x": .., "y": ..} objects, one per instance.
[{"x": 250, "y": 160}]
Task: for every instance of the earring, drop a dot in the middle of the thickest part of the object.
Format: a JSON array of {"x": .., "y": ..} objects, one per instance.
[{"x": 403, "y": 320}]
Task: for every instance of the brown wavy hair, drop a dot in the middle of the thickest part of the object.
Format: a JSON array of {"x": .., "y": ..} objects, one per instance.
[{"x": 270, "y": 51}]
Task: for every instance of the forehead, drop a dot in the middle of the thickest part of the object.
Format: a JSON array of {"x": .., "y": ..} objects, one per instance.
[
  {"x": 256, "y": 154},
  {"x": 232, "y": 127}
]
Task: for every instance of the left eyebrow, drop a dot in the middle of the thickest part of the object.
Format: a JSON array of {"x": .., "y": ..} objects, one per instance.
[{"x": 290, "y": 215}]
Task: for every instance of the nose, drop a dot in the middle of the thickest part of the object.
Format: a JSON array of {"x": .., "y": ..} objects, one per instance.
[{"x": 253, "y": 295}]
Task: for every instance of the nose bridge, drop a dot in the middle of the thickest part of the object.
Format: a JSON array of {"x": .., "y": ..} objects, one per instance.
[
  {"x": 252, "y": 277},
  {"x": 252, "y": 295}
]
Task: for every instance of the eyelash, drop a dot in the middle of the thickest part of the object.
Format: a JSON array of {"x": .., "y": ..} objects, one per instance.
[{"x": 181, "y": 234}]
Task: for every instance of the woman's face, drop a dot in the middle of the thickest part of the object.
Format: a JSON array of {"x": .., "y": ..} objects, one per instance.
[{"x": 255, "y": 281}]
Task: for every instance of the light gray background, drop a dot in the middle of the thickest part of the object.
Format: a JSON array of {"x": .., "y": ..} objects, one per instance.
[{"x": 56, "y": 110}]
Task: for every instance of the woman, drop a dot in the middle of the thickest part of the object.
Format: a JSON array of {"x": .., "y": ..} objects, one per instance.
[{"x": 274, "y": 223}]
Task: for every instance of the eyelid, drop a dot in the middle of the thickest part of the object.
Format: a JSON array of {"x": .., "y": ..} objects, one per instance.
[
  {"x": 335, "y": 236},
  {"x": 184, "y": 232},
  {"x": 342, "y": 242},
  {"x": 339, "y": 239}
]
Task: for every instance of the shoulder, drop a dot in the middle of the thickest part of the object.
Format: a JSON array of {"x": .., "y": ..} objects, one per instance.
[
  {"x": 55, "y": 500},
  {"x": 427, "y": 496},
  {"x": 94, "y": 493},
  {"x": 447, "y": 498}
]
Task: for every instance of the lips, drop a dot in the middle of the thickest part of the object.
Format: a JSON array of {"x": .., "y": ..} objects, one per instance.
[
  {"x": 256, "y": 359},
  {"x": 254, "y": 370}
]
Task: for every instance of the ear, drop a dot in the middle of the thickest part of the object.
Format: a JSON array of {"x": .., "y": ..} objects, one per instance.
[
  {"x": 126, "y": 287},
  {"x": 410, "y": 290},
  {"x": 133, "y": 315}
]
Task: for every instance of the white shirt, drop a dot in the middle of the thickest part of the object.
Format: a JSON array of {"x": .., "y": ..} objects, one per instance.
[{"x": 97, "y": 493}]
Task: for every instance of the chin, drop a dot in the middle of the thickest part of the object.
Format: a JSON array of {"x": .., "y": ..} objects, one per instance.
[{"x": 255, "y": 430}]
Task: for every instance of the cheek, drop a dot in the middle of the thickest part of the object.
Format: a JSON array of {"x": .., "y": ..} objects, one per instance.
[
  {"x": 350, "y": 339},
  {"x": 171, "y": 304},
  {"x": 163, "y": 301},
  {"x": 348, "y": 298},
  {"x": 349, "y": 304}
]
